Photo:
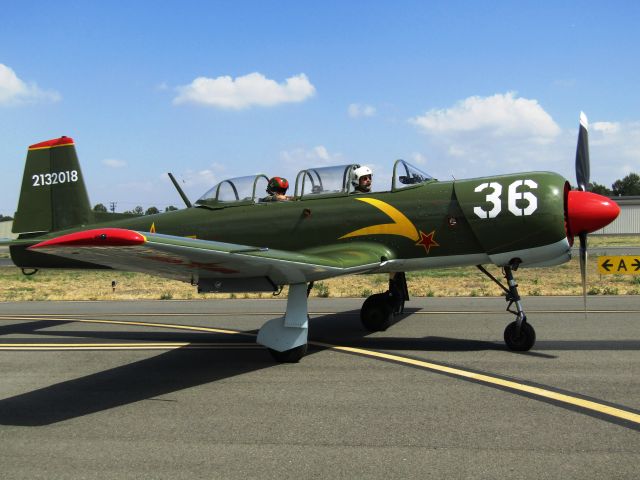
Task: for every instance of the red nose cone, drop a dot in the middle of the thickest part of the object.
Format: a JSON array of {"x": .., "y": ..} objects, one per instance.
[{"x": 588, "y": 212}]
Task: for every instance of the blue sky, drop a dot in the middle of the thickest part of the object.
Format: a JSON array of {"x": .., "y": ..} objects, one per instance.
[{"x": 210, "y": 90}]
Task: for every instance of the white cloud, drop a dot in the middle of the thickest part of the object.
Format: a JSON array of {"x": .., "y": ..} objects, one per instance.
[
  {"x": 203, "y": 178},
  {"x": 492, "y": 135},
  {"x": 356, "y": 110},
  {"x": 317, "y": 156},
  {"x": 247, "y": 91},
  {"x": 14, "y": 91},
  {"x": 483, "y": 136},
  {"x": 114, "y": 163},
  {"x": 606, "y": 127},
  {"x": 614, "y": 150},
  {"x": 418, "y": 158},
  {"x": 501, "y": 115}
]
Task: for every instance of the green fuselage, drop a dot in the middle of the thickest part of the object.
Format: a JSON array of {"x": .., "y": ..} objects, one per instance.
[{"x": 456, "y": 219}]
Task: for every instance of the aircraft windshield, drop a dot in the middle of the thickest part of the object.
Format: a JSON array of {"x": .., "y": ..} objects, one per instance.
[
  {"x": 240, "y": 189},
  {"x": 406, "y": 175}
]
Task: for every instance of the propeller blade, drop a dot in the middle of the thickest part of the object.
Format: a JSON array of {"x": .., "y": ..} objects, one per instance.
[
  {"x": 583, "y": 267},
  {"x": 582, "y": 154}
]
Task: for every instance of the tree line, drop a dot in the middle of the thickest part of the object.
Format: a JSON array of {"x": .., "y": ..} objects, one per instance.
[
  {"x": 625, "y": 187},
  {"x": 99, "y": 207}
]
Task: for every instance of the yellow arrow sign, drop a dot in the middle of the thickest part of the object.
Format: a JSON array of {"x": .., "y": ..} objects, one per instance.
[{"x": 629, "y": 264}]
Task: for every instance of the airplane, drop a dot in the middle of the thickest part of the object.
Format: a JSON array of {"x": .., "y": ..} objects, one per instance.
[{"x": 231, "y": 241}]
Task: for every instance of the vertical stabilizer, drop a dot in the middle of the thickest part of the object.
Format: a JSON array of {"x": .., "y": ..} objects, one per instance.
[{"x": 53, "y": 194}]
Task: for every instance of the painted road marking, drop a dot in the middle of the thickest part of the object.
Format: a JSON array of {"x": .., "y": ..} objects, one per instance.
[
  {"x": 483, "y": 378},
  {"x": 128, "y": 346}
]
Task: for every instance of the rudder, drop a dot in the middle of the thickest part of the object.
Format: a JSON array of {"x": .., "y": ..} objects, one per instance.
[{"x": 53, "y": 194}]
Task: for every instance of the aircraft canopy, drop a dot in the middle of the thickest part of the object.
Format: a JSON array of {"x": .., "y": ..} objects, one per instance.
[{"x": 309, "y": 183}]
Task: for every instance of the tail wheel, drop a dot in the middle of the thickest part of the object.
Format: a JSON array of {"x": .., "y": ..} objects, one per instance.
[
  {"x": 376, "y": 313},
  {"x": 522, "y": 342}
]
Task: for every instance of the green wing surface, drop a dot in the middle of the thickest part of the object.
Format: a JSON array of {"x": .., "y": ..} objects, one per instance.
[
  {"x": 193, "y": 260},
  {"x": 8, "y": 242}
]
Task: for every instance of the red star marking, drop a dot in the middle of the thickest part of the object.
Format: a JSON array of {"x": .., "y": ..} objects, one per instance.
[{"x": 427, "y": 241}]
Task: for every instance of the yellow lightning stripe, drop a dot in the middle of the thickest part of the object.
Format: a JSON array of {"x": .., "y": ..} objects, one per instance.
[{"x": 401, "y": 224}]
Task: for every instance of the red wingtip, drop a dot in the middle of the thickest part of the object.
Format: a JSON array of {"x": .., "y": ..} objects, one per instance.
[
  {"x": 588, "y": 212},
  {"x": 100, "y": 237},
  {"x": 56, "y": 142}
]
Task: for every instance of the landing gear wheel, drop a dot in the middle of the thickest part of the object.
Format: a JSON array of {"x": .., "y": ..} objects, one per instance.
[
  {"x": 376, "y": 313},
  {"x": 289, "y": 356},
  {"x": 522, "y": 342}
]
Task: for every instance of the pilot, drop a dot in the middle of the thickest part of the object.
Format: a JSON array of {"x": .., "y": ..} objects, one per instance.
[
  {"x": 276, "y": 190},
  {"x": 361, "y": 179}
]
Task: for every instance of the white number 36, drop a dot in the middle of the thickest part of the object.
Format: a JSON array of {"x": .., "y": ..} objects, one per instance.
[{"x": 518, "y": 190}]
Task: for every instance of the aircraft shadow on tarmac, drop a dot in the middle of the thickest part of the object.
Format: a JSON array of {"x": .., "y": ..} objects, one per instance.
[{"x": 183, "y": 368}]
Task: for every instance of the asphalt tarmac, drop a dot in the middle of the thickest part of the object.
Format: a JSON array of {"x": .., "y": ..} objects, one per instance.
[{"x": 169, "y": 389}]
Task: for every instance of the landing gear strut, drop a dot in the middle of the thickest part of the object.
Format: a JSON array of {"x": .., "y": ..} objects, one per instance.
[
  {"x": 378, "y": 311},
  {"x": 286, "y": 337},
  {"x": 519, "y": 334}
]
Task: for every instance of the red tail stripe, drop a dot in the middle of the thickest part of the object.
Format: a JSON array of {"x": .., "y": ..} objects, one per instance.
[{"x": 56, "y": 142}]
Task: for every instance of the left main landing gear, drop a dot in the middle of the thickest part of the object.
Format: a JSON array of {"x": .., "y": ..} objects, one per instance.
[
  {"x": 378, "y": 311},
  {"x": 519, "y": 335},
  {"x": 286, "y": 337},
  {"x": 293, "y": 355}
]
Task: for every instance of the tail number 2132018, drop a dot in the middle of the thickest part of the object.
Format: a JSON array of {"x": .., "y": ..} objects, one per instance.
[{"x": 54, "y": 178}]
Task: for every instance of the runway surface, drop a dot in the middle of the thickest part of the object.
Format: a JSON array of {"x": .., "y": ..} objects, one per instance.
[{"x": 159, "y": 389}]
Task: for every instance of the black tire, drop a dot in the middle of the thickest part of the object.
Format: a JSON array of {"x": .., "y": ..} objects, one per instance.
[
  {"x": 519, "y": 343},
  {"x": 376, "y": 313},
  {"x": 289, "y": 356}
]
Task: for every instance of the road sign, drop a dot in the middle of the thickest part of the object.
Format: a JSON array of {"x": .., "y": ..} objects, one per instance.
[{"x": 629, "y": 264}]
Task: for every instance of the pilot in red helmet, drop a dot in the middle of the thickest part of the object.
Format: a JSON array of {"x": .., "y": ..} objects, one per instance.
[{"x": 276, "y": 190}]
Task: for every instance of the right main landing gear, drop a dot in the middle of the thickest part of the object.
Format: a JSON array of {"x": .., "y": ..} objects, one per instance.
[{"x": 378, "y": 311}]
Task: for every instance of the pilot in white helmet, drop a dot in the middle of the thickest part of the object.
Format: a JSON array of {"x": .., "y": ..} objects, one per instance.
[{"x": 361, "y": 178}]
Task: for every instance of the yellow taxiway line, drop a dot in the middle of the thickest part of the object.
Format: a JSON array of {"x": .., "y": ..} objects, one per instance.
[{"x": 486, "y": 379}]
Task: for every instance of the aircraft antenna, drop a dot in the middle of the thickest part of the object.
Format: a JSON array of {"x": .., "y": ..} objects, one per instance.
[{"x": 182, "y": 195}]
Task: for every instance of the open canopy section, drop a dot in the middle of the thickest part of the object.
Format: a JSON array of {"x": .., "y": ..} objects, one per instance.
[
  {"x": 341, "y": 180},
  {"x": 239, "y": 190},
  {"x": 324, "y": 180}
]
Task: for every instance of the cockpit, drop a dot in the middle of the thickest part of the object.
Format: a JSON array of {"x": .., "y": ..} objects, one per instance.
[{"x": 310, "y": 183}]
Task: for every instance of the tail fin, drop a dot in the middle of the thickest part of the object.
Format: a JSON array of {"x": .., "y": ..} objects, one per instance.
[{"x": 53, "y": 194}]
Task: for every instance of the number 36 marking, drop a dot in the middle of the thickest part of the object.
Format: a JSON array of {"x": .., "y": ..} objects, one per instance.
[{"x": 514, "y": 194}]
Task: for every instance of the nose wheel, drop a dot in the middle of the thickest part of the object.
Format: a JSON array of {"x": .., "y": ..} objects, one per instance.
[
  {"x": 519, "y": 336},
  {"x": 519, "y": 339}
]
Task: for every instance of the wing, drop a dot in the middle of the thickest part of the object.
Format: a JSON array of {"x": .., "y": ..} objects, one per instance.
[
  {"x": 193, "y": 260},
  {"x": 9, "y": 242}
]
